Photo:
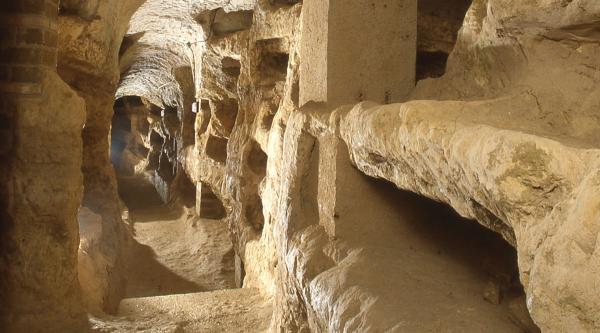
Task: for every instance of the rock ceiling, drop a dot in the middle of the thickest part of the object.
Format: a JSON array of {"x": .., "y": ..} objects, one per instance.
[{"x": 162, "y": 36}]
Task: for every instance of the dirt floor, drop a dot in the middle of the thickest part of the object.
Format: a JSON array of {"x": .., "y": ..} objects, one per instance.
[{"x": 180, "y": 273}]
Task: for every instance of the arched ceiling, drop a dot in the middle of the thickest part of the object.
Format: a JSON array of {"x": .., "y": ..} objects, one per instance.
[{"x": 164, "y": 35}]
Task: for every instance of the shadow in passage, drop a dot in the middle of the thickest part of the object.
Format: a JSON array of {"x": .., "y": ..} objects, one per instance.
[
  {"x": 426, "y": 268},
  {"x": 146, "y": 274},
  {"x": 148, "y": 277},
  {"x": 173, "y": 251},
  {"x": 144, "y": 202},
  {"x": 437, "y": 229}
]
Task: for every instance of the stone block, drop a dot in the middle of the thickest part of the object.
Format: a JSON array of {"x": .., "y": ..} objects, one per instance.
[{"x": 357, "y": 50}]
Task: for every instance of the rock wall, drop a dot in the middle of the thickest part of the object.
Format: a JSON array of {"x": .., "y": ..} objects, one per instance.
[
  {"x": 241, "y": 104},
  {"x": 41, "y": 177},
  {"x": 90, "y": 34},
  {"x": 502, "y": 130}
]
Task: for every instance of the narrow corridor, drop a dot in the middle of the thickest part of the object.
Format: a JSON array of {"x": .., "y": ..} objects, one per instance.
[{"x": 180, "y": 275}]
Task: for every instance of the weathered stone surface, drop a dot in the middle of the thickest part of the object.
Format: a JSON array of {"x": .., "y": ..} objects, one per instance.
[
  {"x": 345, "y": 219},
  {"x": 40, "y": 287},
  {"x": 338, "y": 44},
  {"x": 89, "y": 40},
  {"x": 526, "y": 187}
]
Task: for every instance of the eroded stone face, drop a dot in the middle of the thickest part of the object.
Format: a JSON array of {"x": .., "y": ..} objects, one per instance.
[
  {"x": 236, "y": 111},
  {"x": 498, "y": 144}
]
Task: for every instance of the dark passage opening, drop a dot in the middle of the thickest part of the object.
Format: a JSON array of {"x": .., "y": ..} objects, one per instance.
[
  {"x": 431, "y": 64},
  {"x": 438, "y": 23}
]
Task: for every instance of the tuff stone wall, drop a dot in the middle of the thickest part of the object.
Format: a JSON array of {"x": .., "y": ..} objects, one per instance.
[
  {"x": 500, "y": 128},
  {"x": 40, "y": 191},
  {"x": 481, "y": 133},
  {"x": 90, "y": 34}
]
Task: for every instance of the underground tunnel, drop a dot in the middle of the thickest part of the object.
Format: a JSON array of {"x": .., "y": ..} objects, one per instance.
[{"x": 299, "y": 166}]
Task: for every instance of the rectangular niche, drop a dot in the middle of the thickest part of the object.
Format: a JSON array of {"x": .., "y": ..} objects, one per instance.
[
  {"x": 224, "y": 23},
  {"x": 273, "y": 62},
  {"x": 224, "y": 116},
  {"x": 231, "y": 67},
  {"x": 216, "y": 148}
]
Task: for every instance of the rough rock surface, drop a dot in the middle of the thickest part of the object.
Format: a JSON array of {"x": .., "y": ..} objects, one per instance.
[
  {"x": 473, "y": 201},
  {"x": 89, "y": 39},
  {"x": 532, "y": 190},
  {"x": 238, "y": 310},
  {"x": 503, "y": 144}
]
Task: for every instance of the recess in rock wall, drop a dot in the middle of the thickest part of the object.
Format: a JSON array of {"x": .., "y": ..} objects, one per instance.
[
  {"x": 284, "y": 3},
  {"x": 271, "y": 71},
  {"x": 216, "y": 148},
  {"x": 254, "y": 213},
  {"x": 224, "y": 116},
  {"x": 267, "y": 112},
  {"x": 231, "y": 66},
  {"x": 208, "y": 205},
  {"x": 256, "y": 161},
  {"x": 460, "y": 264},
  {"x": 224, "y": 23},
  {"x": 438, "y": 23},
  {"x": 273, "y": 67}
]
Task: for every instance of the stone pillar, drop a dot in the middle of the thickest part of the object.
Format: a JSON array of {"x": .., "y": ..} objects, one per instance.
[
  {"x": 40, "y": 174},
  {"x": 357, "y": 50}
]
